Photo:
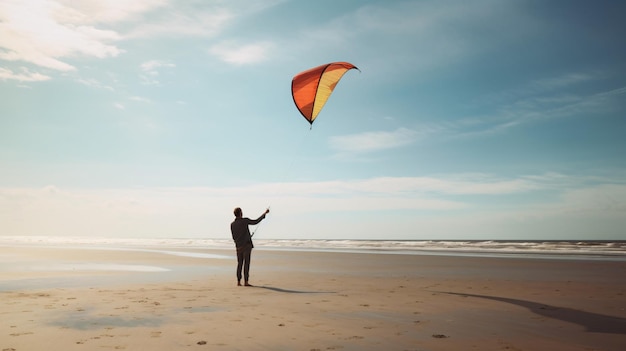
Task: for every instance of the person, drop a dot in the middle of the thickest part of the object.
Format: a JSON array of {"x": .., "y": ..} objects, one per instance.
[{"x": 243, "y": 242}]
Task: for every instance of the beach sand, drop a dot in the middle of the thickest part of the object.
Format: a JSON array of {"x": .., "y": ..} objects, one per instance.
[{"x": 97, "y": 299}]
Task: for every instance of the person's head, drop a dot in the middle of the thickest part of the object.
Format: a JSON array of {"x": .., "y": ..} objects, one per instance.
[{"x": 238, "y": 213}]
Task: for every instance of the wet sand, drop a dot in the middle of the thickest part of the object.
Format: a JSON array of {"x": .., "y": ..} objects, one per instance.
[{"x": 78, "y": 299}]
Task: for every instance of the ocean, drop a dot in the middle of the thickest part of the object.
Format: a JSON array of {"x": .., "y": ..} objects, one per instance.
[{"x": 547, "y": 249}]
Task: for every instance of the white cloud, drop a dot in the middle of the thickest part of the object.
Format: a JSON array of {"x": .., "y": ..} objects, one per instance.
[
  {"x": 152, "y": 65},
  {"x": 44, "y": 34},
  {"x": 193, "y": 23},
  {"x": 171, "y": 211},
  {"x": 604, "y": 198},
  {"x": 151, "y": 71},
  {"x": 373, "y": 141},
  {"x": 231, "y": 52},
  {"x": 95, "y": 84},
  {"x": 463, "y": 184},
  {"x": 110, "y": 11},
  {"x": 51, "y": 34},
  {"x": 196, "y": 18},
  {"x": 48, "y": 33},
  {"x": 433, "y": 204},
  {"x": 140, "y": 99},
  {"x": 460, "y": 185},
  {"x": 24, "y": 76}
]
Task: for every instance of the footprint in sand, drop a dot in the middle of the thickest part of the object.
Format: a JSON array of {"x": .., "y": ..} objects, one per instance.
[{"x": 20, "y": 334}]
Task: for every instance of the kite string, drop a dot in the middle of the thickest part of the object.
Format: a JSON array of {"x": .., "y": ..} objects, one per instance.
[
  {"x": 287, "y": 173},
  {"x": 296, "y": 156},
  {"x": 257, "y": 227}
]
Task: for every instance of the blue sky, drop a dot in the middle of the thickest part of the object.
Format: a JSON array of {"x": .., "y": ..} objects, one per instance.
[{"x": 469, "y": 119}]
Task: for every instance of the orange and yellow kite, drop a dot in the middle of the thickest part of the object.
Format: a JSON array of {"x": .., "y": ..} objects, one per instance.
[{"x": 312, "y": 88}]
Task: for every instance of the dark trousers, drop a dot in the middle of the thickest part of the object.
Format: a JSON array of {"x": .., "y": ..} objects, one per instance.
[{"x": 243, "y": 261}]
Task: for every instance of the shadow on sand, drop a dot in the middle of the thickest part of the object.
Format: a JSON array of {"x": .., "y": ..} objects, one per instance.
[
  {"x": 593, "y": 322},
  {"x": 291, "y": 291}
]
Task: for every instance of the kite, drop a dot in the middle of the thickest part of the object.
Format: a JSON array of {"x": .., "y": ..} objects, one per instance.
[{"x": 312, "y": 88}]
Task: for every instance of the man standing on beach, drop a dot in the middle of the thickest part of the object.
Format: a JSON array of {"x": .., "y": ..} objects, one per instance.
[{"x": 243, "y": 242}]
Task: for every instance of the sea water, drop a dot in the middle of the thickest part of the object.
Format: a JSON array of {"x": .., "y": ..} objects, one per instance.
[{"x": 552, "y": 249}]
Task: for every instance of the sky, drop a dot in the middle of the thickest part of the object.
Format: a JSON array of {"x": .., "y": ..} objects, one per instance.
[{"x": 482, "y": 119}]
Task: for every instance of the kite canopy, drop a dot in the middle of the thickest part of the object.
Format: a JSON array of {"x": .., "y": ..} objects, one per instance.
[{"x": 312, "y": 88}]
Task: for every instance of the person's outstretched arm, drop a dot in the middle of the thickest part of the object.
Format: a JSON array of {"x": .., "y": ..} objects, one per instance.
[{"x": 256, "y": 221}]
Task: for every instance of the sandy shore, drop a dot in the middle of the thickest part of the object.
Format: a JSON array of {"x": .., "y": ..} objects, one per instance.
[{"x": 78, "y": 299}]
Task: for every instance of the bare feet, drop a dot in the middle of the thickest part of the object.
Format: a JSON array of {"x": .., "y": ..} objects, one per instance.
[{"x": 248, "y": 284}]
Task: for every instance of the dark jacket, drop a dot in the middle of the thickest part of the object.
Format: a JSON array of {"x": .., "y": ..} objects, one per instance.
[{"x": 240, "y": 231}]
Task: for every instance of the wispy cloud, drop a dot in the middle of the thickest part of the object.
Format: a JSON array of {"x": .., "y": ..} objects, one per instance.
[
  {"x": 535, "y": 102},
  {"x": 24, "y": 76},
  {"x": 140, "y": 99},
  {"x": 172, "y": 211},
  {"x": 562, "y": 104},
  {"x": 241, "y": 54},
  {"x": 446, "y": 33},
  {"x": 186, "y": 23},
  {"x": 193, "y": 18},
  {"x": 460, "y": 184},
  {"x": 373, "y": 141},
  {"x": 96, "y": 11},
  {"x": 562, "y": 81},
  {"x": 151, "y": 71},
  {"x": 95, "y": 84},
  {"x": 153, "y": 65}
]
